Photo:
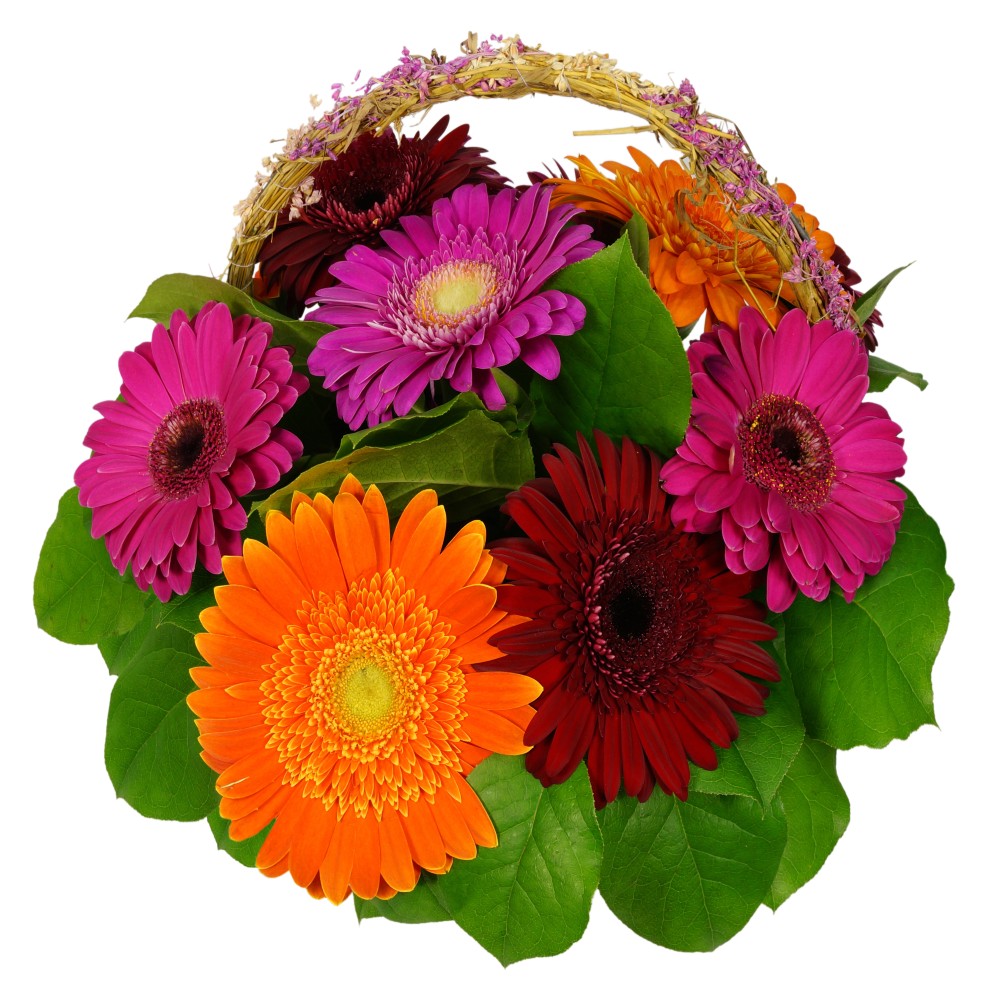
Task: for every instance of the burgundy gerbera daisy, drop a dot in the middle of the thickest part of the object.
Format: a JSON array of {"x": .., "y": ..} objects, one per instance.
[
  {"x": 638, "y": 634},
  {"x": 193, "y": 431},
  {"x": 786, "y": 458},
  {"x": 354, "y": 196},
  {"x": 450, "y": 297}
]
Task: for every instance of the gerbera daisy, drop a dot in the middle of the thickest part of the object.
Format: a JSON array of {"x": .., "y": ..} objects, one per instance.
[
  {"x": 350, "y": 198},
  {"x": 784, "y": 456},
  {"x": 698, "y": 260},
  {"x": 450, "y": 297},
  {"x": 195, "y": 430},
  {"x": 638, "y": 634},
  {"x": 341, "y": 698}
]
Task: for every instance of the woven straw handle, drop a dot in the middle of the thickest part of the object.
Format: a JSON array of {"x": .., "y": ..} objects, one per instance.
[{"x": 514, "y": 71}]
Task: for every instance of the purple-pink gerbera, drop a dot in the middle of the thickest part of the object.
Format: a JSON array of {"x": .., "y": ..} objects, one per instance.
[
  {"x": 785, "y": 456},
  {"x": 193, "y": 431},
  {"x": 450, "y": 297}
]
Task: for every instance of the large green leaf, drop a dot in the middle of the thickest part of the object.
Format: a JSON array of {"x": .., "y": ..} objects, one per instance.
[
  {"x": 79, "y": 596},
  {"x": 180, "y": 613},
  {"x": 189, "y": 292},
  {"x": 817, "y": 812},
  {"x": 862, "y": 670},
  {"x": 756, "y": 764},
  {"x": 151, "y": 750},
  {"x": 421, "y": 906},
  {"x": 243, "y": 851},
  {"x": 625, "y": 371},
  {"x": 471, "y": 456},
  {"x": 689, "y": 875},
  {"x": 531, "y": 894}
]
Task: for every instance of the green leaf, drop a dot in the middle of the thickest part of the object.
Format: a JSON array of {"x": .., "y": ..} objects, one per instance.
[
  {"x": 189, "y": 292},
  {"x": 79, "y": 596},
  {"x": 881, "y": 373},
  {"x": 180, "y": 613},
  {"x": 151, "y": 751},
  {"x": 817, "y": 812},
  {"x": 421, "y": 906},
  {"x": 625, "y": 371},
  {"x": 470, "y": 456},
  {"x": 757, "y": 762},
  {"x": 638, "y": 238},
  {"x": 531, "y": 894},
  {"x": 862, "y": 670},
  {"x": 689, "y": 875},
  {"x": 865, "y": 305},
  {"x": 244, "y": 851}
]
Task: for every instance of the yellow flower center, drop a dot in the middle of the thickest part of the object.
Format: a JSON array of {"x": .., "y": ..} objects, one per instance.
[
  {"x": 364, "y": 698},
  {"x": 453, "y": 290}
]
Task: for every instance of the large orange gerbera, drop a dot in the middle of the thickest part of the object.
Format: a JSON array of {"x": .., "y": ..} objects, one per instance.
[
  {"x": 341, "y": 699},
  {"x": 699, "y": 261}
]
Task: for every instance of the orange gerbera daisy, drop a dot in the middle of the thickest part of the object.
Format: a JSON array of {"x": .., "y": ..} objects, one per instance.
[
  {"x": 340, "y": 698},
  {"x": 699, "y": 261}
]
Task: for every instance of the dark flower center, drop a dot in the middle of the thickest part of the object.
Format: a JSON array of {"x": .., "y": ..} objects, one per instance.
[
  {"x": 631, "y": 612},
  {"x": 642, "y": 614},
  {"x": 189, "y": 441},
  {"x": 785, "y": 448}
]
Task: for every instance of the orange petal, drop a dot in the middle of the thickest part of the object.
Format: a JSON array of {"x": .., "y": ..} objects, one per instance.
[
  {"x": 273, "y": 579},
  {"x": 278, "y": 842},
  {"x": 320, "y": 560},
  {"x": 451, "y": 569},
  {"x": 424, "y": 544},
  {"x": 478, "y": 820},
  {"x": 455, "y": 835},
  {"x": 411, "y": 517},
  {"x": 468, "y": 606},
  {"x": 335, "y": 870},
  {"x": 281, "y": 540},
  {"x": 253, "y": 613},
  {"x": 353, "y": 537},
  {"x": 365, "y": 872},
  {"x": 397, "y": 862},
  {"x": 237, "y": 657},
  {"x": 500, "y": 690},
  {"x": 422, "y": 834},
  {"x": 235, "y": 571},
  {"x": 311, "y": 841},
  {"x": 378, "y": 521},
  {"x": 493, "y": 732}
]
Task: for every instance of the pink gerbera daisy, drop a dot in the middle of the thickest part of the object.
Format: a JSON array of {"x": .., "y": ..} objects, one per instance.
[
  {"x": 785, "y": 456},
  {"x": 193, "y": 431},
  {"x": 451, "y": 297}
]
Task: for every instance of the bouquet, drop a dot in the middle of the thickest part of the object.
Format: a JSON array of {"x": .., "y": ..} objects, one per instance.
[{"x": 483, "y": 543}]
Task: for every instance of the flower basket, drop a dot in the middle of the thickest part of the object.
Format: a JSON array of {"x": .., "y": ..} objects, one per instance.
[{"x": 490, "y": 582}]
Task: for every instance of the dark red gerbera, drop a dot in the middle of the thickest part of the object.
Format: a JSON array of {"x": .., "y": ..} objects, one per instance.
[
  {"x": 637, "y": 632},
  {"x": 356, "y": 195}
]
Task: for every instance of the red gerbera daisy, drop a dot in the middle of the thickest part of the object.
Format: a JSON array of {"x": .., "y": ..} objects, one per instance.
[
  {"x": 638, "y": 633},
  {"x": 356, "y": 195}
]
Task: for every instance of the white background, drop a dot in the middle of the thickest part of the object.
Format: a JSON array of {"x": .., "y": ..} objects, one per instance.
[{"x": 128, "y": 136}]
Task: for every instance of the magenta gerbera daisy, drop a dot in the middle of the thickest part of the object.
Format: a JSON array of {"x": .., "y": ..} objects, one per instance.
[
  {"x": 643, "y": 641},
  {"x": 195, "y": 429},
  {"x": 786, "y": 458},
  {"x": 450, "y": 297},
  {"x": 352, "y": 197}
]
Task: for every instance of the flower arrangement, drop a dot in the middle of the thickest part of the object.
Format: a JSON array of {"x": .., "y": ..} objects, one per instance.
[{"x": 443, "y": 563}]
